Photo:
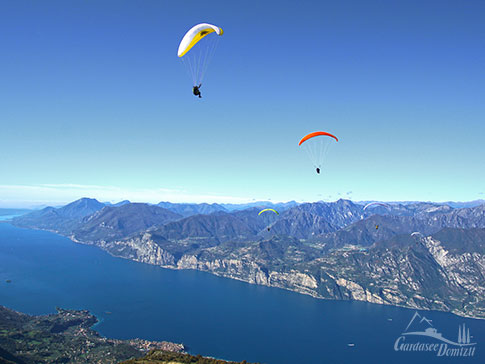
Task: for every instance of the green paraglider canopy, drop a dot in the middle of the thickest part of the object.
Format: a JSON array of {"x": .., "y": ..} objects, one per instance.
[{"x": 273, "y": 210}]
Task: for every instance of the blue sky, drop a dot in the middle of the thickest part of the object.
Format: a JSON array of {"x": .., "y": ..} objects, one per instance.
[{"x": 95, "y": 102}]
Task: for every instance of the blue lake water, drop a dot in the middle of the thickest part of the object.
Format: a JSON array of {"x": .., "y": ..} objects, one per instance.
[{"x": 213, "y": 316}]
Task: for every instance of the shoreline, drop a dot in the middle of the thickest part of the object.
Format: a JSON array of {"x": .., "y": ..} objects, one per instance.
[
  {"x": 69, "y": 334},
  {"x": 227, "y": 276}
]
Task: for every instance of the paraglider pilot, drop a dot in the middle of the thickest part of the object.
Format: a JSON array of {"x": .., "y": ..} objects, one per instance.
[
  {"x": 318, "y": 170},
  {"x": 196, "y": 90}
]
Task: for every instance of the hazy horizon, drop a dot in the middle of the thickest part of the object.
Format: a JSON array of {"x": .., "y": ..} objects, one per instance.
[{"x": 59, "y": 203}]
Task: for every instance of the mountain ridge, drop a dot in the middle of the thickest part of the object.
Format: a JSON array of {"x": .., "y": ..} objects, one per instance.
[{"x": 331, "y": 250}]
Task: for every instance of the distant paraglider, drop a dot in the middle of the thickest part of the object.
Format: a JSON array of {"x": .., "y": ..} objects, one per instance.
[
  {"x": 316, "y": 145},
  {"x": 268, "y": 210},
  {"x": 273, "y": 210},
  {"x": 375, "y": 204},
  {"x": 196, "y": 51}
]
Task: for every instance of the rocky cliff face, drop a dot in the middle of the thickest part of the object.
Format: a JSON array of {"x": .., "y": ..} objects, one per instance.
[
  {"x": 415, "y": 271},
  {"x": 142, "y": 249}
]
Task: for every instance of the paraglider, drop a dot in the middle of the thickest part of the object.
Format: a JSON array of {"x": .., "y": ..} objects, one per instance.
[
  {"x": 271, "y": 210},
  {"x": 196, "y": 50},
  {"x": 375, "y": 204},
  {"x": 316, "y": 145}
]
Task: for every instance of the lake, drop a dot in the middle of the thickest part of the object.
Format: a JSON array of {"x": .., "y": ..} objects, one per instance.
[{"x": 212, "y": 316}]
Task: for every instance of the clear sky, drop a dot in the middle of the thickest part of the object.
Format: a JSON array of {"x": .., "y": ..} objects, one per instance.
[{"x": 94, "y": 101}]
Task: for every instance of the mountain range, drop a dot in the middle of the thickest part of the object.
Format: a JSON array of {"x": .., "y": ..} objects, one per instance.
[{"x": 421, "y": 255}]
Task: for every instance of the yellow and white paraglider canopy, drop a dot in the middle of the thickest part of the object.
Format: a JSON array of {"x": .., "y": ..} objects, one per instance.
[
  {"x": 195, "y": 34},
  {"x": 196, "y": 49}
]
